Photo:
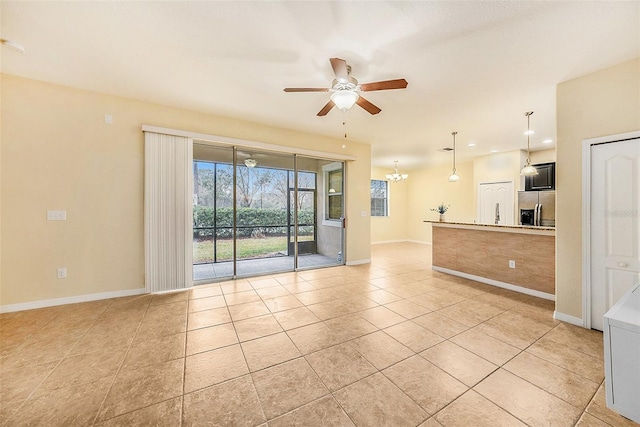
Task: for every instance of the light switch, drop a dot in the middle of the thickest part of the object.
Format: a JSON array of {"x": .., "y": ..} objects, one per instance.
[{"x": 56, "y": 215}]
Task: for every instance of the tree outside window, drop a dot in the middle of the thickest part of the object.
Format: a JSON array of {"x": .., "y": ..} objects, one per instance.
[{"x": 379, "y": 198}]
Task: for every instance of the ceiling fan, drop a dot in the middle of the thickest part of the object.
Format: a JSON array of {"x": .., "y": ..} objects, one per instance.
[{"x": 345, "y": 89}]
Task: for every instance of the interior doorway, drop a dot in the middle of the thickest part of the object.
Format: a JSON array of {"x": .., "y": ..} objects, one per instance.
[{"x": 613, "y": 251}]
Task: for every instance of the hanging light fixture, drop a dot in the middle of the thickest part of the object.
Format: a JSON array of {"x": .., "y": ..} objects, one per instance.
[
  {"x": 250, "y": 163},
  {"x": 454, "y": 177},
  {"x": 396, "y": 177},
  {"x": 528, "y": 170},
  {"x": 344, "y": 99}
]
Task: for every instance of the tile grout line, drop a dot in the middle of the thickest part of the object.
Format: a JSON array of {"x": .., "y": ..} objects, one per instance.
[
  {"x": 249, "y": 373},
  {"x": 95, "y": 418}
]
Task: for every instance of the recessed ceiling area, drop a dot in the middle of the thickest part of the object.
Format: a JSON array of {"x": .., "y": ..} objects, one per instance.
[{"x": 472, "y": 67}]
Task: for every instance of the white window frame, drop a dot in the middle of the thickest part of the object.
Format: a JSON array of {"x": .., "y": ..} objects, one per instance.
[{"x": 325, "y": 193}]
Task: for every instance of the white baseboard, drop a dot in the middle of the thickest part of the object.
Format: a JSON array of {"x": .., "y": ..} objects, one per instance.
[
  {"x": 70, "y": 300},
  {"x": 418, "y": 242},
  {"x": 359, "y": 262},
  {"x": 497, "y": 283},
  {"x": 568, "y": 319},
  {"x": 381, "y": 242}
]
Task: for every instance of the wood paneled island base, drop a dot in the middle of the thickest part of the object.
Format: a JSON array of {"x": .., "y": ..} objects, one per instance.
[{"x": 482, "y": 252}]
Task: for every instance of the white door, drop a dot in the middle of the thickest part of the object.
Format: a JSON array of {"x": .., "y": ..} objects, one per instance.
[
  {"x": 615, "y": 224},
  {"x": 495, "y": 197}
]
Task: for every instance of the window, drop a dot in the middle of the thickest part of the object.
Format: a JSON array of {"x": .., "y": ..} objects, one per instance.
[
  {"x": 333, "y": 191},
  {"x": 379, "y": 198}
]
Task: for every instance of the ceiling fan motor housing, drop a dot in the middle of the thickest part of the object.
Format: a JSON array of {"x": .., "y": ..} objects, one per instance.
[{"x": 351, "y": 84}]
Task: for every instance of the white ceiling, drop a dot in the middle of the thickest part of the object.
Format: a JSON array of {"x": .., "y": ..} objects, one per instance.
[{"x": 474, "y": 67}]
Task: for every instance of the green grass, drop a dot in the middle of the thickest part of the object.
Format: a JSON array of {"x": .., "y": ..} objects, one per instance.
[{"x": 255, "y": 247}]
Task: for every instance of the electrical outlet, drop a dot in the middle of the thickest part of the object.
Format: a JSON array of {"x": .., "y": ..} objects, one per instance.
[
  {"x": 512, "y": 264},
  {"x": 62, "y": 273}
]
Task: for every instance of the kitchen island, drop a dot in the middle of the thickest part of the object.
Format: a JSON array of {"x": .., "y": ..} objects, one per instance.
[{"x": 515, "y": 257}]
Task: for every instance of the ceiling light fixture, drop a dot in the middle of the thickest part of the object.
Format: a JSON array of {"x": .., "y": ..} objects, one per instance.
[
  {"x": 396, "y": 177},
  {"x": 528, "y": 170},
  {"x": 454, "y": 177},
  {"x": 250, "y": 163},
  {"x": 13, "y": 45},
  {"x": 547, "y": 141},
  {"x": 344, "y": 99}
]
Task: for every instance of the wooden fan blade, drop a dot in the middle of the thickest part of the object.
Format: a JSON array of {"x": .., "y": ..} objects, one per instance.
[
  {"x": 306, "y": 89},
  {"x": 326, "y": 108},
  {"x": 340, "y": 69},
  {"x": 372, "y": 109},
  {"x": 384, "y": 85}
]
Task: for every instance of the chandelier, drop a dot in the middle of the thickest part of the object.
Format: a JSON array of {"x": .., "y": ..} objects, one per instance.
[{"x": 395, "y": 176}]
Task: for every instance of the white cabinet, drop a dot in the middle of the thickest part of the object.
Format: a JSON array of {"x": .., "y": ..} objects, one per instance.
[{"x": 622, "y": 355}]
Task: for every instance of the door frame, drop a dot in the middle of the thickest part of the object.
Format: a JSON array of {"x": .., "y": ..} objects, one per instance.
[{"x": 586, "y": 215}]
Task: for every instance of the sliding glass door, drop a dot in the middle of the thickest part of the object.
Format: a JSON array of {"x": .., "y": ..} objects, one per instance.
[
  {"x": 259, "y": 212},
  {"x": 262, "y": 222},
  {"x": 213, "y": 225}
]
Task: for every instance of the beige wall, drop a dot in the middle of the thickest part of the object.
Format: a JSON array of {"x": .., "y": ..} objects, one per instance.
[
  {"x": 428, "y": 188},
  {"x": 394, "y": 226},
  {"x": 58, "y": 154},
  {"x": 603, "y": 103},
  {"x": 543, "y": 156}
]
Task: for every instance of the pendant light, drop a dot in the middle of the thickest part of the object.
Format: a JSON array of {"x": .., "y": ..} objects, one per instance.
[
  {"x": 454, "y": 177},
  {"x": 528, "y": 170},
  {"x": 250, "y": 163},
  {"x": 396, "y": 177}
]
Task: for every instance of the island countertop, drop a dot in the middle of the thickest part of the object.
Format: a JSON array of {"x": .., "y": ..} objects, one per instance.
[{"x": 522, "y": 229}]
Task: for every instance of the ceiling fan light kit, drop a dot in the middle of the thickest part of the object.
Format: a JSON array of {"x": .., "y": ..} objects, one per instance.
[
  {"x": 344, "y": 99},
  {"x": 528, "y": 169},
  {"x": 345, "y": 90}
]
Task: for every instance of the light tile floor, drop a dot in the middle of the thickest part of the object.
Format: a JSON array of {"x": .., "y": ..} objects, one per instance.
[{"x": 391, "y": 343}]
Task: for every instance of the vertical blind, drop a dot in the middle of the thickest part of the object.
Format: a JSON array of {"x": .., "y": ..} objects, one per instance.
[{"x": 167, "y": 212}]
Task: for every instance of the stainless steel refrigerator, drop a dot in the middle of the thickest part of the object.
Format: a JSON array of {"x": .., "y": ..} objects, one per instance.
[{"x": 537, "y": 208}]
